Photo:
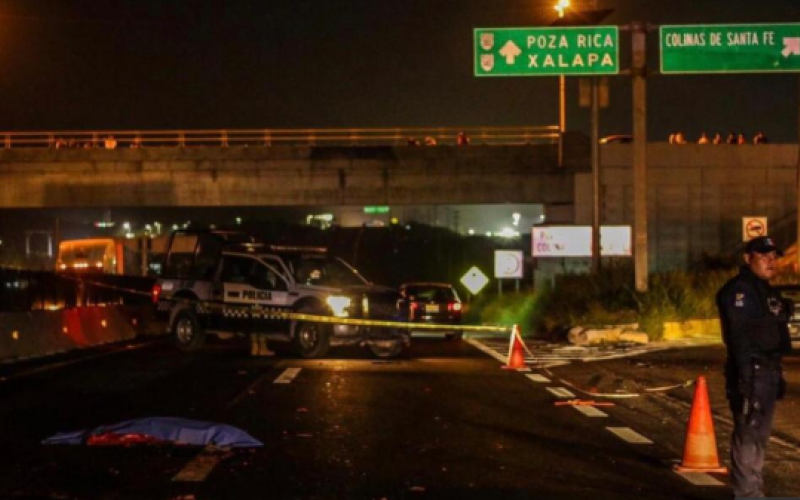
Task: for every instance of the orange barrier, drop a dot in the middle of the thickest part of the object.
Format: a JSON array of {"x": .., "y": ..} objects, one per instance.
[
  {"x": 42, "y": 333},
  {"x": 700, "y": 448}
]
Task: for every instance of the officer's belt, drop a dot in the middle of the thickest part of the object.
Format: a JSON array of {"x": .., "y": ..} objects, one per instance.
[{"x": 769, "y": 361}]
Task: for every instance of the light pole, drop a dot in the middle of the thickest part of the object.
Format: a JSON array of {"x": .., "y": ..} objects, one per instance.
[{"x": 561, "y": 7}]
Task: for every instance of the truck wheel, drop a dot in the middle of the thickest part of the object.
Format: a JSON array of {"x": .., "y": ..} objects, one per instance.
[
  {"x": 311, "y": 340},
  {"x": 386, "y": 349},
  {"x": 187, "y": 332}
]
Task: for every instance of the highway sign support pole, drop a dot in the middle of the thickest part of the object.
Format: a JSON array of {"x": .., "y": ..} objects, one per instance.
[
  {"x": 640, "y": 252},
  {"x": 562, "y": 116},
  {"x": 595, "y": 152},
  {"x": 797, "y": 262}
]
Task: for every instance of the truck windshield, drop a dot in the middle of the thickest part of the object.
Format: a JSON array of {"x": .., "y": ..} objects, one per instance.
[{"x": 322, "y": 270}]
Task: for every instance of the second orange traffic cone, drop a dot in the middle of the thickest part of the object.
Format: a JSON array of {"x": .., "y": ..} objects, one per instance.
[
  {"x": 700, "y": 448},
  {"x": 516, "y": 353}
]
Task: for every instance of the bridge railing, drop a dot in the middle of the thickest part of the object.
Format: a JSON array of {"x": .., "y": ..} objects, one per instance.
[{"x": 280, "y": 137}]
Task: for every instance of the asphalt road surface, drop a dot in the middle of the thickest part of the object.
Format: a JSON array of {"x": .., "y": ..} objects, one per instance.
[{"x": 442, "y": 422}]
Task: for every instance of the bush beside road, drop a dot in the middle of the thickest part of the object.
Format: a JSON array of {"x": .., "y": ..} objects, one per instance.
[{"x": 609, "y": 298}]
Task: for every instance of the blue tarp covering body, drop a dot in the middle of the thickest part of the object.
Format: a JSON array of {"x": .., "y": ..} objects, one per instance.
[{"x": 179, "y": 430}]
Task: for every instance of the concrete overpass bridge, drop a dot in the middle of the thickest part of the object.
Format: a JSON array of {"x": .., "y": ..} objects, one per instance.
[
  {"x": 697, "y": 193},
  {"x": 280, "y": 168}
]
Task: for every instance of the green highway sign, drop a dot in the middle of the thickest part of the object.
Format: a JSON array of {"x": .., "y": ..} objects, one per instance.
[
  {"x": 730, "y": 48},
  {"x": 547, "y": 51},
  {"x": 376, "y": 210}
]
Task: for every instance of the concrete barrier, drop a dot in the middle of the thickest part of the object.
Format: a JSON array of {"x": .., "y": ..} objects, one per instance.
[
  {"x": 674, "y": 330},
  {"x": 41, "y": 333}
]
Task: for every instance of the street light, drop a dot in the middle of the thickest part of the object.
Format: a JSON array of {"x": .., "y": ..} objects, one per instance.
[{"x": 561, "y": 7}]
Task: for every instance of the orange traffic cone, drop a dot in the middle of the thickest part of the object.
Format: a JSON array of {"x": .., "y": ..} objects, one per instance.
[
  {"x": 700, "y": 448},
  {"x": 516, "y": 353}
]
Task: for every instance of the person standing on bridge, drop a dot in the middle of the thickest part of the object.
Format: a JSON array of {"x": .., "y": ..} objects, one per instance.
[{"x": 755, "y": 330}]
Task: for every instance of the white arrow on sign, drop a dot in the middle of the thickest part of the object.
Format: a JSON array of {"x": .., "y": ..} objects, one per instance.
[
  {"x": 791, "y": 47},
  {"x": 510, "y": 51}
]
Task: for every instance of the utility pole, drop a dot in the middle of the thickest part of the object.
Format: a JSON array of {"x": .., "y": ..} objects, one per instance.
[
  {"x": 638, "y": 69},
  {"x": 595, "y": 152},
  {"x": 561, "y": 7}
]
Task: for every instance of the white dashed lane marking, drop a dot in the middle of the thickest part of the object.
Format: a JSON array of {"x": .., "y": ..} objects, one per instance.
[
  {"x": 590, "y": 411},
  {"x": 700, "y": 479},
  {"x": 625, "y": 433},
  {"x": 629, "y": 435},
  {"x": 199, "y": 467},
  {"x": 560, "y": 392},
  {"x": 287, "y": 376},
  {"x": 491, "y": 352}
]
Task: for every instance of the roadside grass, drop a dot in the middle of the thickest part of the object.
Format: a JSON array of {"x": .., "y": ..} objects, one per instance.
[{"x": 608, "y": 298}]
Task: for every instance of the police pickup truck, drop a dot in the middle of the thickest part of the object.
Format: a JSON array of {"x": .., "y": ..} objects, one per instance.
[{"x": 223, "y": 283}]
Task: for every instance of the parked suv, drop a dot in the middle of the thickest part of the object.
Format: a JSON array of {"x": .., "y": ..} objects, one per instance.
[
  {"x": 227, "y": 283},
  {"x": 436, "y": 303}
]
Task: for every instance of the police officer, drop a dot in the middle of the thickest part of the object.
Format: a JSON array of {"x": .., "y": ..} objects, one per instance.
[{"x": 755, "y": 330}]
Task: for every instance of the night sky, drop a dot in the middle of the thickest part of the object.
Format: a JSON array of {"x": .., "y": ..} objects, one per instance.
[{"x": 159, "y": 64}]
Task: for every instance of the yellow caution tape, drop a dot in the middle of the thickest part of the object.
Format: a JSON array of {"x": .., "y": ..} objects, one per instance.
[
  {"x": 316, "y": 318},
  {"x": 258, "y": 312}
]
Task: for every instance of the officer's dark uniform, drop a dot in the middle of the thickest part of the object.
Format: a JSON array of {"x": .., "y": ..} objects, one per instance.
[{"x": 755, "y": 330}]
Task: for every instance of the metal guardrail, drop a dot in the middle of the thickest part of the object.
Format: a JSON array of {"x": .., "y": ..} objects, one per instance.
[{"x": 280, "y": 137}]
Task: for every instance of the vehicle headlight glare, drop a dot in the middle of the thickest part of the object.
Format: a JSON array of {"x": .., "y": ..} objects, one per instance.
[{"x": 339, "y": 305}]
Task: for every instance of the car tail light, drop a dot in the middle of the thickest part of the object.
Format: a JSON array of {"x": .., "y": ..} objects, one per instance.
[
  {"x": 413, "y": 307},
  {"x": 156, "y": 293},
  {"x": 454, "y": 306}
]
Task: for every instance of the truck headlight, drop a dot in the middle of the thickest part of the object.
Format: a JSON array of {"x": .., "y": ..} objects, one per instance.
[{"x": 339, "y": 305}]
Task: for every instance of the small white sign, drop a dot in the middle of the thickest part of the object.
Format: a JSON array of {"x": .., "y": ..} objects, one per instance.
[
  {"x": 508, "y": 264},
  {"x": 474, "y": 280},
  {"x": 753, "y": 227},
  {"x": 576, "y": 241}
]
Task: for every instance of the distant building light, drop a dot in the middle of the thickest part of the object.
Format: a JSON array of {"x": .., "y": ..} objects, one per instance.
[
  {"x": 408, "y": 227},
  {"x": 130, "y": 236},
  {"x": 175, "y": 227},
  {"x": 104, "y": 224},
  {"x": 471, "y": 232},
  {"x": 489, "y": 234},
  {"x": 323, "y": 221},
  {"x": 238, "y": 221},
  {"x": 515, "y": 218},
  {"x": 507, "y": 232},
  {"x": 126, "y": 226},
  {"x": 212, "y": 226},
  {"x": 394, "y": 221}
]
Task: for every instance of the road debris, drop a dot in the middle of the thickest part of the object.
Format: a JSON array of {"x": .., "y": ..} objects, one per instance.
[{"x": 583, "y": 402}]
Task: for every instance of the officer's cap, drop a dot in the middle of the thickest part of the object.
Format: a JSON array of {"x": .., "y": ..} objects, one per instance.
[{"x": 762, "y": 244}]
